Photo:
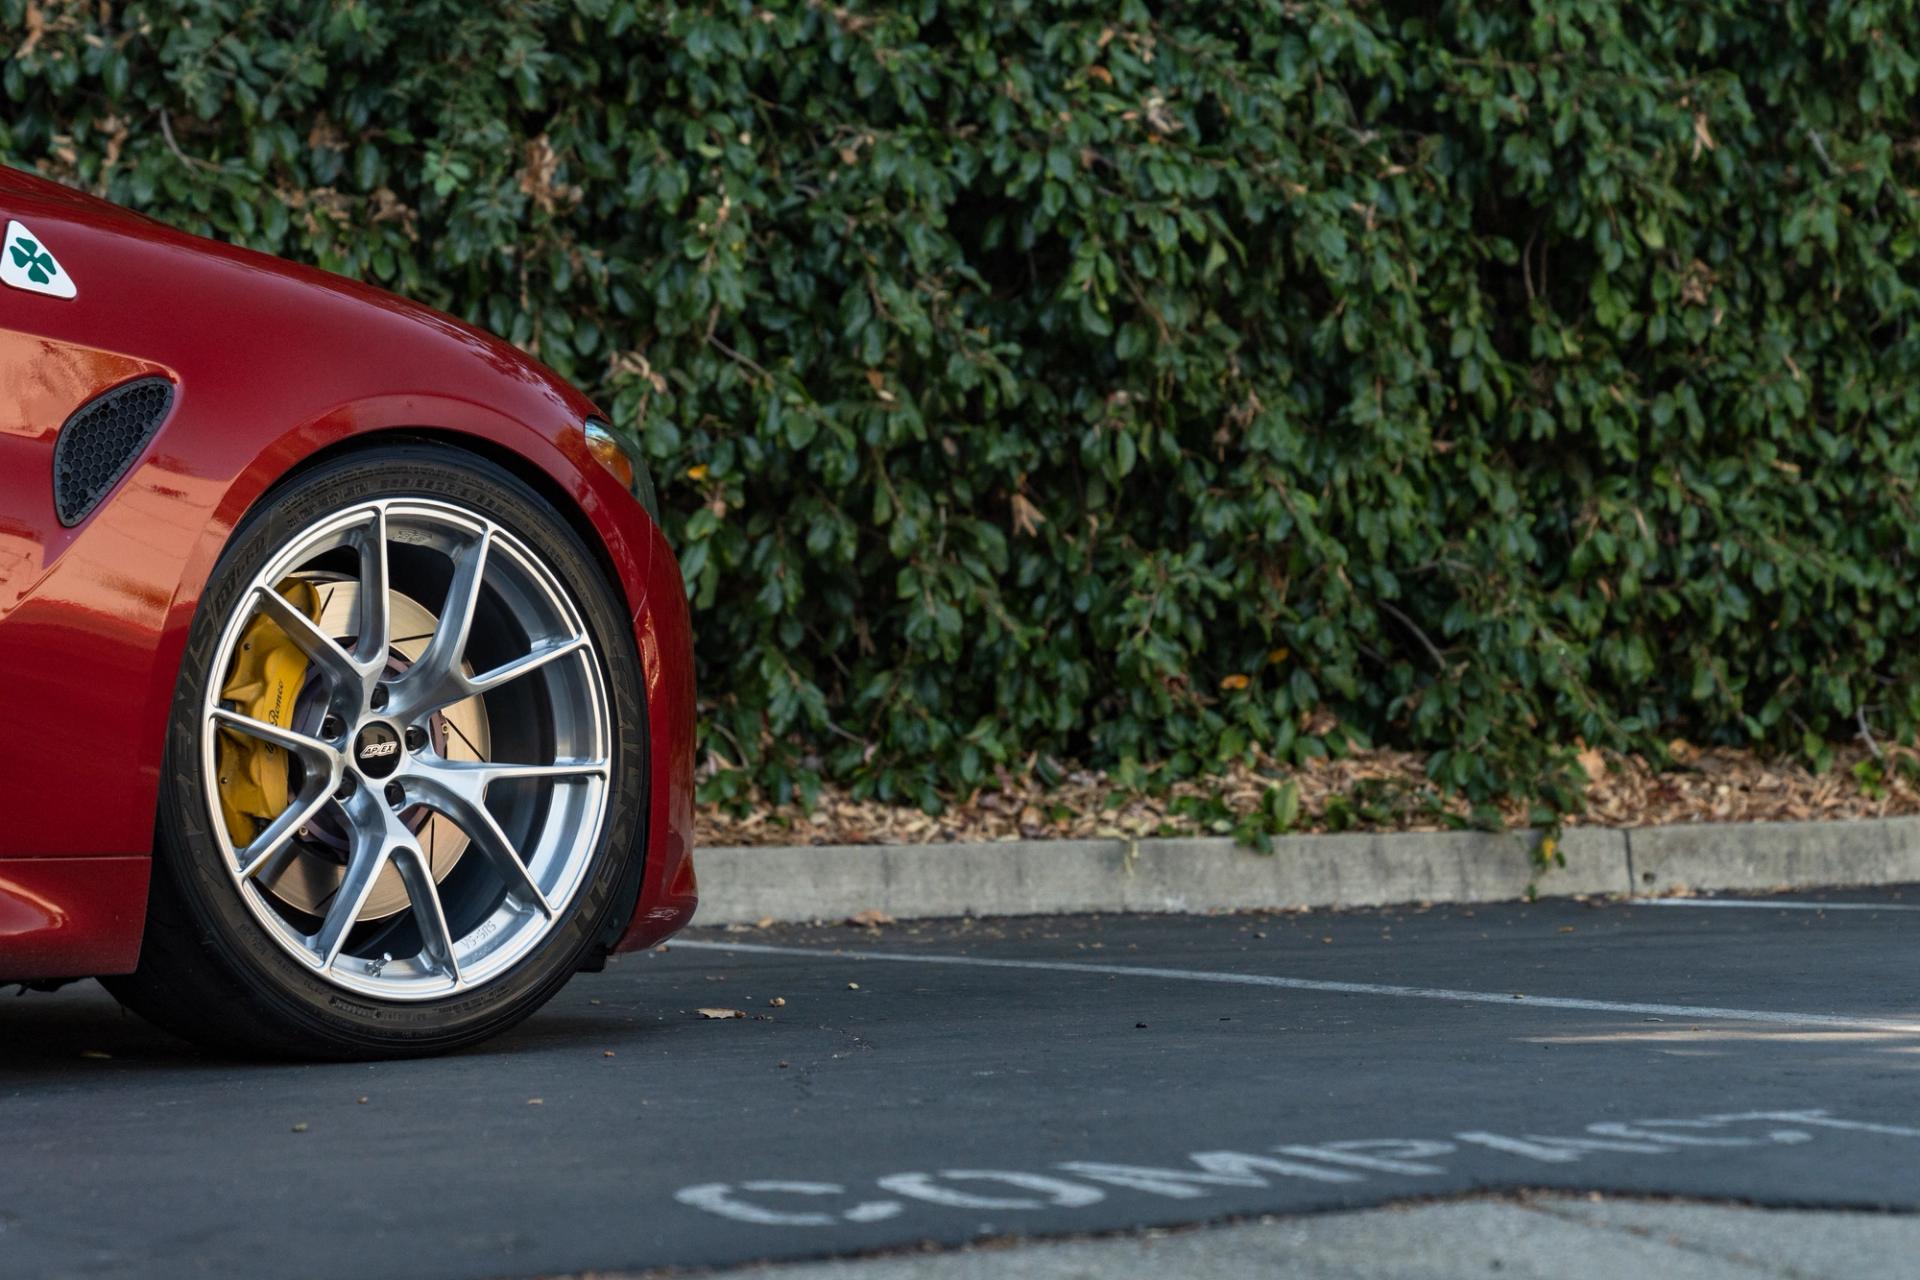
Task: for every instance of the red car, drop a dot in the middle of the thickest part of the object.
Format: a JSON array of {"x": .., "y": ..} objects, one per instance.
[{"x": 346, "y": 690}]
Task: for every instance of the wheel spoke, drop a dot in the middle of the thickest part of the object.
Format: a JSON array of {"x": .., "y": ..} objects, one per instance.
[
  {"x": 449, "y": 644},
  {"x": 371, "y": 646},
  {"x": 264, "y": 852},
  {"x": 321, "y": 649},
  {"x": 300, "y": 744},
  {"x": 435, "y": 679},
  {"x": 267, "y": 850},
  {"x": 474, "y": 776},
  {"x": 459, "y": 794},
  {"x": 370, "y": 852},
  {"x": 436, "y": 940},
  {"x": 538, "y": 658}
]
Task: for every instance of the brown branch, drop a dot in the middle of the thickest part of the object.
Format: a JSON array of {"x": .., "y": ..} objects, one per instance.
[
  {"x": 1438, "y": 661},
  {"x": 192, "y": 162}
]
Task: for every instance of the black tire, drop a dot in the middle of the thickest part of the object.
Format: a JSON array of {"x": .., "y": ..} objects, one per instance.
[{"x": 208, "y": 970}]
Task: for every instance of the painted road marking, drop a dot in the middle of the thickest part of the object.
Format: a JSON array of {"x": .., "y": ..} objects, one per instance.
[
  {"x": 1687, "y": 1012},
  {"x": 1768, "y": 904},
  {"x": 770, "y": 1202}
]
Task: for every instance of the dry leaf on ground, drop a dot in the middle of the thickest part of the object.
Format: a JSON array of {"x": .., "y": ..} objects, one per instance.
[{"x": 1711, "y": 784}]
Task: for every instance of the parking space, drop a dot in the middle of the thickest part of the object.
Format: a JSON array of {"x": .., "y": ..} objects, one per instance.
[{"x": 955, "y": 1081}]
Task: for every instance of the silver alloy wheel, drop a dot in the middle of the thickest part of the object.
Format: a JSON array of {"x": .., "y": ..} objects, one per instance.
[{"x": 531, "y": 825}]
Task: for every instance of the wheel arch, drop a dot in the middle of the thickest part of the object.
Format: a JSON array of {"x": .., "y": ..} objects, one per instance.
[{"x": 514, "y": 463}]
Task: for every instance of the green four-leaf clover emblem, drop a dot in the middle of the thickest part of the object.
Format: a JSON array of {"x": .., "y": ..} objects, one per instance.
[
  {"x": 38, "y": 263},
  {"x": 27, "y": 263}
]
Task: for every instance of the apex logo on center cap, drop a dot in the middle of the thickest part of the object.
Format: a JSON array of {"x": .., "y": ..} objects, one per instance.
[
  {"x": 27, "y": 263},
  {"x": 377, "y": 750}
]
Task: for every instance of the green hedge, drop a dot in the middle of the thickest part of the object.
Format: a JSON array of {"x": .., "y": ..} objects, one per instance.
[{"x": 1144, "y": 385}]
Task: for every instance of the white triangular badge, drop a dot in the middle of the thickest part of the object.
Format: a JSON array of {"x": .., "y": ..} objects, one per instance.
[{"x": 27, "y": 263}]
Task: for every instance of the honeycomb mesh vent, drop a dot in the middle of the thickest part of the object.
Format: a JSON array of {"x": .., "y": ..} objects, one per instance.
[{"x": 101, "y": 440}]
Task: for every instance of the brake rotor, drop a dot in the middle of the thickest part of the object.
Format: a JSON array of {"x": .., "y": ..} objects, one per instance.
[{"x": 460, "y": 732}]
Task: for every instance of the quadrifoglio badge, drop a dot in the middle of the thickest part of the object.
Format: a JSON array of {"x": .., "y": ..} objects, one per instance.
[{"x": 27, "y": 263}]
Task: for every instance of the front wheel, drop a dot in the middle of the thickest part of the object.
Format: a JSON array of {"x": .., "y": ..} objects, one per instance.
[{"x": 403, "y": 772}]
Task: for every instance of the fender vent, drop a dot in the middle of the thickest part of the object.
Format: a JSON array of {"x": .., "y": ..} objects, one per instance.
[{"x": 101, "y": 440}]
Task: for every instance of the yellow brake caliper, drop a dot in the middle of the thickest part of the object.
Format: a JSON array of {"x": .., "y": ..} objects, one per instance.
[{"x": 266, "y": 678}]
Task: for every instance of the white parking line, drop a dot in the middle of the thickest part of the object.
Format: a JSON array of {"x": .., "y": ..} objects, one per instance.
[
  {"x": 1696, "y": 1013},
  {"x": 1776, "y": 904}
]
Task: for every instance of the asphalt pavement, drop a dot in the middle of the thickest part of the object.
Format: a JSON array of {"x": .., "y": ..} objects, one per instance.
[{"x": 958, "y": 1082}]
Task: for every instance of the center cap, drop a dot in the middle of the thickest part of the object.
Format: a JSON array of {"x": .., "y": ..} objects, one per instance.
[{"x": 376, "y": 751}]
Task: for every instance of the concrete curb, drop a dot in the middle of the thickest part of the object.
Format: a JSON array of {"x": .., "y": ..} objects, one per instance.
[{"x": 1051, "y": 877}]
